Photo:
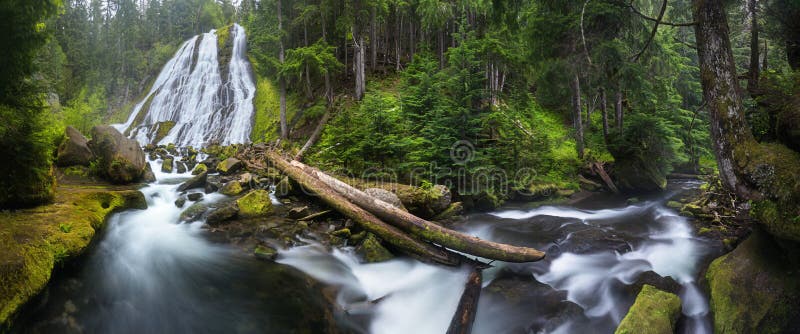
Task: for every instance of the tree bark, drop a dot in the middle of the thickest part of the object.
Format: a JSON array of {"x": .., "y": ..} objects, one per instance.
[
  {"x": 604, "y": 112},
  {"x": 618, "y": 109},
  {"x": 577, "y": 112},
  {"x": 754, "y": 73},
  {"x": 721, "y": 92},
  {"x": 426, "y": 230},
  {"x": 368, "y": 221},
  {"x": 358, "y": 62},
  {"x": 373, "y": 37},
  {"x": 468, "y": 304},
  {"x": 281, "y": 80}
]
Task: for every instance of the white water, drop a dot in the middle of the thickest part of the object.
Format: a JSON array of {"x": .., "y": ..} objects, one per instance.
[{"x": 190, "y": 92}]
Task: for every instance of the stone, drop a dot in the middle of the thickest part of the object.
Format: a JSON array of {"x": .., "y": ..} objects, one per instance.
[
  {"x": 199, "y": 168},
  {"x": 194, "y": 197},
  {"x": 386, "y": 196},
  {"x": 654, "y": 311},
  {"x": 454, "y": 210},
  {"x": 343, "y": 233},
  {"x": 180, "y": 202},
  {"x": 148, "y": 175},
  {"x": 298, "y": 212},
  {"x": 197, "y": 181},
  {"x": 194, "y": 212},
  {"x": 229, "y": 166},
  {"x": 168, "y": 164},
  {"x": 180, "y": 167},
  {"x": 285, "y": 187},
  {"x": 265, "y": 253},
  {"x": 222, "y": 214},
  {"x": 256, "y": 203},
  {"x": 231, "y": 188},
  {"x": 74, "y": 150},
  {"x": 121, "y": 160},
  {"x": 755, "y": 288},
  {"x": 371, "y": 250}
]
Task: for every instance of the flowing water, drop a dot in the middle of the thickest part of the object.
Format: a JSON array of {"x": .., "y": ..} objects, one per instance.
[
  {"x": 191, "y": 92},
  {"x": 150, "y": 273}
]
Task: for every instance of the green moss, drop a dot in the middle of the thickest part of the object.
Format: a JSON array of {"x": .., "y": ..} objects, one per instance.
[
  {"x": 653, "y": 312},
  {"x": 372, "y": 251},
  {"x": 200, "y": 168},
  {"x": 231, "y": 188},
  {"x": 167, "y": 165},
  {"x": 163, "y": 130},
  {"x": 753, "y": 289},
  {"x": 34, "y": 241},
  {"x": 255, "y": 204},
  {"x": 267, "y": 109}
]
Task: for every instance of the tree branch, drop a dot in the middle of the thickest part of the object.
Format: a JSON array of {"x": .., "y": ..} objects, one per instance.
[
  {"x": 583, "y": 36},
  {"x": 658, "y": 21},
  {"x": 653, "y": 33}
]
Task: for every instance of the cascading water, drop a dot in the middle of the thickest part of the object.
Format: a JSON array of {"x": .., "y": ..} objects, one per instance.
[{"x": 191, "y": 96}]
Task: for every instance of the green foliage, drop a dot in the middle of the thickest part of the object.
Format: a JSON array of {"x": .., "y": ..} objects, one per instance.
[{"x": 85, "y": 110}]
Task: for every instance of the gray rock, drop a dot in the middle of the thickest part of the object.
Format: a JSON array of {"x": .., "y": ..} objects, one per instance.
[
  {"x": 386, "y": 196},
  {"x": 180, "y": 202},
  {"x": 194, "y": 197},
  {"x": 74, "y": 150},
  {"x": 197, "y": 181},
  {"x": 121, "y": 159}
]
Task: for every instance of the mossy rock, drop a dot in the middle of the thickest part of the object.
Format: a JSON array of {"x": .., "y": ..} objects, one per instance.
[
  {"x": 755, "y": 288},
  {"x": 265, "y": 253},
  {"x": 454, "y": 210},
  {"x": 121, "y": 160},
  {"x": 653, "y": 312},
  {"x": 199, "y": 169},
  {"x": 371, "y": 250},
  {"x": 194, "y": 212},
  {"x": 168, "y": 165},
  {"x": 229, "y": 166},
  {"x": 255, "y": 204},
  {"x": 674, "y": 205},
  {"x": 35, "y": 241},
  {"x": 286, "y": 187},
  {"x": 231, "y": 188},
  {"x": 163, "y": 130}
]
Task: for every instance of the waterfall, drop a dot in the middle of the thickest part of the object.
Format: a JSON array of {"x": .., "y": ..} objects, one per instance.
[{"x": 192, "y": 103}]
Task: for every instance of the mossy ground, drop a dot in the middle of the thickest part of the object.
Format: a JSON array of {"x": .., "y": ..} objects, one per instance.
[
  {"x": 34, "y": 241},
  {"x": 654, "y": 312}
]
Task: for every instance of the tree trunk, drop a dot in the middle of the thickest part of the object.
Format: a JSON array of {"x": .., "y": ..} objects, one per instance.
[
  {"x": 373, "y": 38},
  {"x": 468, "y": 304},
  {"x": 618, "y": 109},
  {"x": 604, "y": 113},
  {"x": 368, "y": 221},
  {"x": 752, "y": 80},
  {"x": 575, "y": 88},
  {"x": 358, "y": 63},
  {"x": 721, "y": 92},
  {"x": 282, "y": 82},
  {"x": 426, "y": 230},
  {"x": 315, "y": 135}
]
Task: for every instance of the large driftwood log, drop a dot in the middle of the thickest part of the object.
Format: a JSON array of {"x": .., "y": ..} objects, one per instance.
[
  {"x": 468, "y": 305},
  {"x": 368, "y": 221},
  {"x": 426, "y": 230}
]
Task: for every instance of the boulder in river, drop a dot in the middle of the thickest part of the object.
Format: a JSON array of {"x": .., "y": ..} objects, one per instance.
[
  {"x": 199, "y": 168},
  {"x": 222, "y": 214},
  {"x": 148, "y": 175},
  {"x": 231, "y": 188},
  {"x": 229, "y": 166},
  {"x": 121, "y": 160},
  {"x": 372, "y": 251},
  {"x": 198, "y": 181},
  {"x": 167, "y": 164},
  {"x": 755, "y": 288},
  {"x": 654, "y": 311},
  {"x": 255, "y": 204},
  {"x": 74, "y": 150}
]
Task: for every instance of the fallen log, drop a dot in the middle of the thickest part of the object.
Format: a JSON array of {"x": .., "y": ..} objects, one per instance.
[
  {"x": 369, "y": 222},
  {"x": 603, "y": 175},
  {"x": 314, "y": 135},
  {"x": 468, "y": 304},
  {"x": 426, "y": 230}
]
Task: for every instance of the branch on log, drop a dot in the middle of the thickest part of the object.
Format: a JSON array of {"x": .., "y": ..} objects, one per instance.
[
  {"x": 369, "y": 222},
  {"x": 426, "y": 230},
  {"x": 468, "y": 304},
  {"x": 315, "y": 135},
  {"x": 603, "y": 175}
]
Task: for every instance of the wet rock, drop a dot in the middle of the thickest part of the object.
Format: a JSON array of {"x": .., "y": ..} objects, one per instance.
[
  {"x": 180, "y": 202},
  {"x": 298, "y": 212},
  {"x": 198, "y": 181},
  {"x": 594, "y": 239},
  {"x": 255, "y": 204},
  {"x": 194, "y": 212},
  {"x": 667, "y": 284},
  {"x": 121, "y": 160},
  {"x": 265, "y": 253},
  {"x": 286, "y": 187},
  {"x": 180, "y": 167},
  {"x": 454, "y": 210},
  {"x": 168, "y": 164},
  {"x": 654, "y": 311},
  {"x": 229, "y": 166},
  {"x": 222, "y": 214},
  {"x": 74, "y": 150},
  {"x": 231, "y": 188},
  {"x": 194, "y": 197},
  {"x": 371, "y": 250},
  {"x": 386, "y": 196},
  {"x": 199, "y": 168},
  {"x": 755, "y": 288},
  {"x": 343, "y": 233},
  {"x": 148, "y": 175}
]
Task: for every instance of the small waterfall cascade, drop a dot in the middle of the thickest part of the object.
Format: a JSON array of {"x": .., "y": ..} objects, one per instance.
[{"x": 203, "y": 95}]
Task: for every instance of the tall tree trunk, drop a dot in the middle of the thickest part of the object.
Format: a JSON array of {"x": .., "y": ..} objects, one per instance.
[
  {"x": 618, "y": 109},
  {"x": 766, "y": 53},
  {"x": 604, "y": 113},
  {"x": 397, "y": 33},
  {"x": 358, "y": 63},
  {"x": 373, "y": 38},
  {"x": 721, "y": 92},
  {"x": 752, "y": 80},
  {"x": 281, "y": 81},
  {"x": 577, "y": 112}
]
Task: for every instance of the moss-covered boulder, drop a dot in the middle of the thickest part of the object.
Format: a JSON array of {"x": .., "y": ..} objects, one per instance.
[
  {"x": 35, "y": 241},
  {"x": 121, "y": 160},
  {"x": 755, "y": 288},
  {"x": 168, "y": 164},
  {"x": 653, "y": 312},
  {"x": 286, "y": 187},
  {"x": 162, "y": 129},
  {"x": 194, "y": 212},
  {"x": 198, "y": 181},
  {"x": 199, "y": 168},
  {"x": 231, "y": 188},
  {"x": 371, "y": 250},
  {"x": 222, "y": 215},
  {"x": 255, "y": 204},
  {"x": 74, "y": 150},
  {"x": 229, "y": 166}
]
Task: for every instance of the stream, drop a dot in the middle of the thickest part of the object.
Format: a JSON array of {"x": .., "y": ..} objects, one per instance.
[{"x": 148, "y": 273}]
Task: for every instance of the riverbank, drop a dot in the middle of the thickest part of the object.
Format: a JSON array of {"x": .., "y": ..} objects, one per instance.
[{"x": 35, "y": 241}]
